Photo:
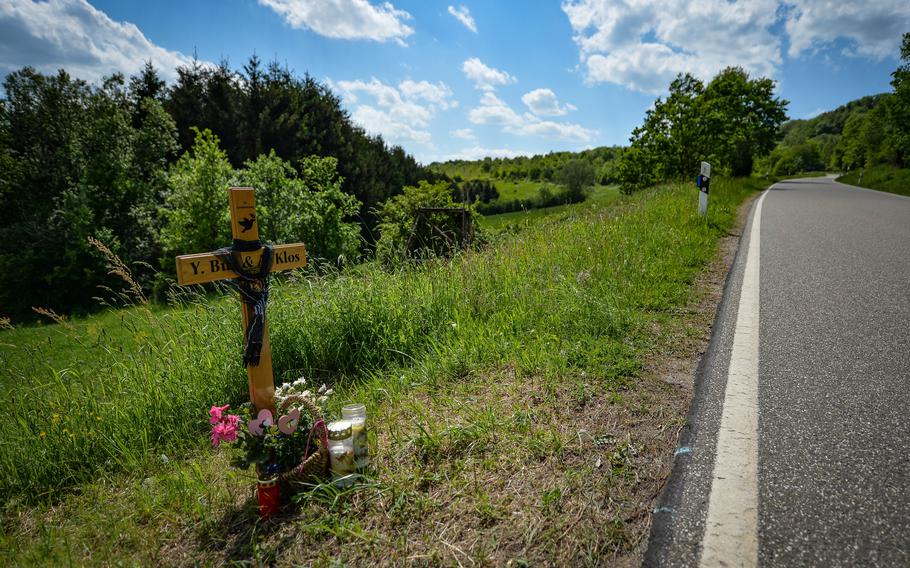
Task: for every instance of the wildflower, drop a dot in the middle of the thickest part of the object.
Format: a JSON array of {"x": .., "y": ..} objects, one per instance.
[
  {"x": 55, "y": 418},
  {"x": 215, "y": 413},
  {"x": 42, "y": 434}
]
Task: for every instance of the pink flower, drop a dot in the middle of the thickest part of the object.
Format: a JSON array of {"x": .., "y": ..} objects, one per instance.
[
  {"x": 215, "y": 413},
  {"x": 224, "y": 426},
  {"x": 229, "y": 428},
  {"x": 218, "y": 434}
]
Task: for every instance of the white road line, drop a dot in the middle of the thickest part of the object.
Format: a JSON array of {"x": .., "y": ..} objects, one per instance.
[{"x": 731, "y": 529}]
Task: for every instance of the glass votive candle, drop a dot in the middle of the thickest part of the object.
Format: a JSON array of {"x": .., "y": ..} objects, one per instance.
[{"x": 356, "y": 414}]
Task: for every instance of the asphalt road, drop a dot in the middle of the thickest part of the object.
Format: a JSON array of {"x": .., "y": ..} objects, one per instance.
[{"x": 833, "y": 389}]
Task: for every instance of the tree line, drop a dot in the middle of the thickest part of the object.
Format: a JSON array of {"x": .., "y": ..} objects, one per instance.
[
  {"x": 540, "y": 167},
  {"x": 122, "y": 160},
  {"x": 862, "y": 133}
]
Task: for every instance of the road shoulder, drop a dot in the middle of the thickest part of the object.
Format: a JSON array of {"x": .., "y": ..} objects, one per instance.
[{"x": 677, "y": 518}]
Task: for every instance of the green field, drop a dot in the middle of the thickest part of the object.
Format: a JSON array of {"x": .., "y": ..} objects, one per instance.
[
  {"x": 478, "y": 374},
  {"x": 601, "y": 195},
  {"x": 521, "y": 189}
]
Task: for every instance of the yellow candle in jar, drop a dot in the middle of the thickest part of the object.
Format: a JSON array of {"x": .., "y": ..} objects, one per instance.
[{"x": 357, "y": 415}]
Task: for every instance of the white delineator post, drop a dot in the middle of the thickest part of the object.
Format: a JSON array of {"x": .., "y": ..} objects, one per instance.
[{"x": 704, "y": 180}]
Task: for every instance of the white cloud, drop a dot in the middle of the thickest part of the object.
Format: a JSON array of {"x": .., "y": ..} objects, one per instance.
[
  {"x": 345, "y": 19},
  {"x": 485, "y": 78},
  {"x": 543, "y": 102},
  {"x": 400, "y": 114},
  {"x": 385, "y": 123},
  {"x": 643, "y": 44},
  {"x": 439, "y": 94},
  {"x": 73, "y": 35},
  {"x": 463, "y": 133},
  {"x": 555, "y": 130},
  {"x": 494, "y": 111},
  {"x": 873, "y": 29},
  {"x": 478, "y": 152},
  {"x": 463, "y": 15}
]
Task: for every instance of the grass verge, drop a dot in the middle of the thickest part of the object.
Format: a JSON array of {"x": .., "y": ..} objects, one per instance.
[
  {"x": 515, "y": 416},
  {"x": 882, "y": 177}
]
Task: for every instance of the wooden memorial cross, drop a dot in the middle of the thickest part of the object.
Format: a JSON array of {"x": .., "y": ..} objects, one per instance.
[{"x": 248, "y": 253}]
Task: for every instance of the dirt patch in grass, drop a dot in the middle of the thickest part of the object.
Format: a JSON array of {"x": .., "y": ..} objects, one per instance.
[{"x": 499, "y": 469}]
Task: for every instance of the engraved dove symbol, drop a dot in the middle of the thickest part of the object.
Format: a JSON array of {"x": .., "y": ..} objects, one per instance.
[{"x": 247, "y": 223}]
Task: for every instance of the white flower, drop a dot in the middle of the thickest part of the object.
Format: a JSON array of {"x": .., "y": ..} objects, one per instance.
[
  {"x": 322, "y": 389},
  {"x": 322, "y": 399}
]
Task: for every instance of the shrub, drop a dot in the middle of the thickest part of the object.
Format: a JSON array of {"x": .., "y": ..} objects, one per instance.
[
  {"x": 436, "y": 236},
  {"x": 310, "y": 207}
]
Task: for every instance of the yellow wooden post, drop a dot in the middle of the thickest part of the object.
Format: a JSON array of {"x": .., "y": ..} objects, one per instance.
[{"x": 207, "y": 267}]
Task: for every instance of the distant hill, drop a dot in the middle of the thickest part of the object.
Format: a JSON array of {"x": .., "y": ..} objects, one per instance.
[
  {"x": 818, "y": 143},
  {"x": 832, "y": 122},
  {"x": 540, "y": 167}
]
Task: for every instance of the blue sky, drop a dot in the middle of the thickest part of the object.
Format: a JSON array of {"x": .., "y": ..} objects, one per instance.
[{"x": 482, "y": 77}]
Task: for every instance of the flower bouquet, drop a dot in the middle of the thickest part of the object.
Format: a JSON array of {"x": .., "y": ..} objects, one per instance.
[{"x": 290, "y": 448}]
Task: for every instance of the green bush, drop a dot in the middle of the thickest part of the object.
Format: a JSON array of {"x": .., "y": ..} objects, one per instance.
[
  {"x": 547, "y": 196},
  {"x": 196, "y": 206},
  {"x": 438, "y": 234},
  {"x": 576, "y": 176},
  {"x": 310, "y": 207},
  {"x": 76, "y": 161}
]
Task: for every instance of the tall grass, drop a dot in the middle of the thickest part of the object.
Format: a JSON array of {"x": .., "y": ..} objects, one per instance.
[
  {"x": 883, "y": 177},
  {"x": 579, "y": 293}
]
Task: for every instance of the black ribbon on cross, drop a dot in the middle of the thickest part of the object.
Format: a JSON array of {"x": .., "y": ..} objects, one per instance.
[{"x": 254, "y": 291}]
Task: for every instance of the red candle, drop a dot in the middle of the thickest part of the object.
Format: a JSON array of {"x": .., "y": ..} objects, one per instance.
[{"x": 269, "y": 497}]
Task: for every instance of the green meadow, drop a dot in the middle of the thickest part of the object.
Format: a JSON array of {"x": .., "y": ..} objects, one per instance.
[{"x": 600, "y": 195}]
